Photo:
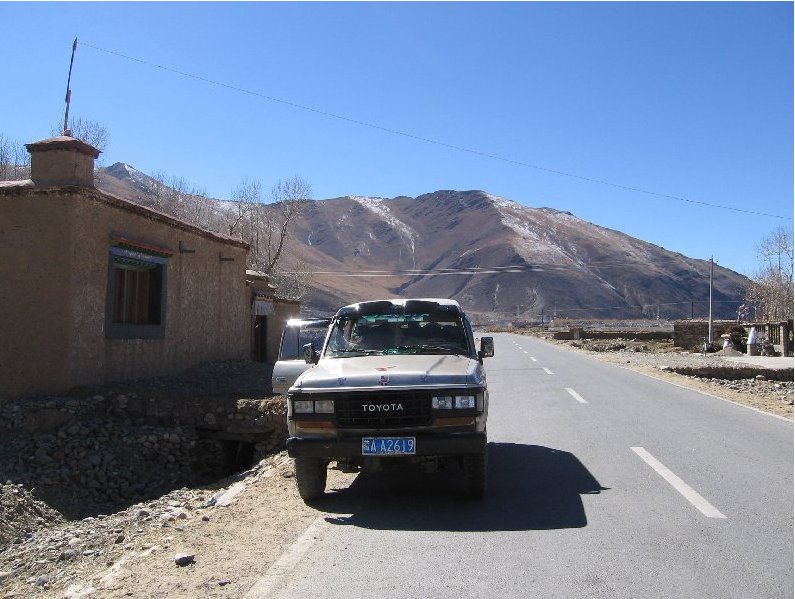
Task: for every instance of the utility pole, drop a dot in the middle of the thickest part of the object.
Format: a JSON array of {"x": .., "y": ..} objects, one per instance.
[
  {"x": 711, "y": 266},
  {"x": 69, "y": 90}
]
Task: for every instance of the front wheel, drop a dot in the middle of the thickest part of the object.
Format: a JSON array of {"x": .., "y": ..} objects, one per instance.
[
  {"x": 475, "y": 467},
  {"x": 310, "y": 476}
]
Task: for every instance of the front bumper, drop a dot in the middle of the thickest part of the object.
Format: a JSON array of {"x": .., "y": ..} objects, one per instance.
[{"x": 351, "y": 447}]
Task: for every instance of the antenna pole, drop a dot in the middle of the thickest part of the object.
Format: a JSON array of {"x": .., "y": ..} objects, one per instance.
[
  {"x": 68, "y": 90},
  {"x": 709, "y": 326}
]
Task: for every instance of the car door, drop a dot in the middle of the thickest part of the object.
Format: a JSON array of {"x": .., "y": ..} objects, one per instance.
[{"x": 291, "y": 364}]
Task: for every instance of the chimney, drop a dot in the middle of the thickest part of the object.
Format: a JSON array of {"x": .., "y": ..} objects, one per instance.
[{"x": 61, "y": 161}]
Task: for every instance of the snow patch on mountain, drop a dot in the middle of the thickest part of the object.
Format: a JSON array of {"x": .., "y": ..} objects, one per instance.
[
  {"x": 532, "y": 239},
  {"x": 378, "y": 207}
]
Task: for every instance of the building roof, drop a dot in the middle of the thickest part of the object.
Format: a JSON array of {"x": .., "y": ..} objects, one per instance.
[
  {"x": 91, "y": 193},
  {"x": 63, "y": 142}
]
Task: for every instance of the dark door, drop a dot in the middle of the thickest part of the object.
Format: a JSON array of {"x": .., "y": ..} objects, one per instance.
[{"x": 261, "y": 338}]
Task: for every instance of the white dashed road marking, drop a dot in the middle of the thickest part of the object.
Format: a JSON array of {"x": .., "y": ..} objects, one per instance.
[
  {"x": 701, "y": 504},
  {"x": 575, "y": 395},
  {"x": 548, "y": 371},
  {"x": 533, "y": 359}
]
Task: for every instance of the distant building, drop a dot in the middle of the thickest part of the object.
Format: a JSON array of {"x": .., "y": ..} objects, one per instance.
[{"x": 95, "y": 289}]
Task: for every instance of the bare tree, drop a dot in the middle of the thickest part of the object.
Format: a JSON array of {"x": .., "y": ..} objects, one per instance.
[
  {"x": 89, "y": 131},
  {"x": 290, "y": 198},
  {"x": 195, "y": 207},
  {"x": 294, "y": 283},
  {"x": 156, "y": 188},
  {"x": 14, "y": 160},
  {"x": 245, "y": 197},
  {"x": 266, "y": 227},
  {"x": 771, "y": 288}
]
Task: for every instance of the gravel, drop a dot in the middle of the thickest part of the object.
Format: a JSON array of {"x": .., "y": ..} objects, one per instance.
[{"x": 730, "y": 380}]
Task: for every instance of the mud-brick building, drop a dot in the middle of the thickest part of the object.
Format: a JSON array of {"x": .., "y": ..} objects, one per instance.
[{"x": 95, "y": 289}]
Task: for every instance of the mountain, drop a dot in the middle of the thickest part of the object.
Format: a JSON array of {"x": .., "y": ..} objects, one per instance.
[{"x": 493, "y": 255}]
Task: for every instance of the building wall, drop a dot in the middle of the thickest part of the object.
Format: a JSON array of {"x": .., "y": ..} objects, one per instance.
[
  {"x": 55, "y": 301},
  {"x": 35, "y": 247}
]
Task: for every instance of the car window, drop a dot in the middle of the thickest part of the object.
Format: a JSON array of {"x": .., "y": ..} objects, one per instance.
[{"x": 295, "y": 337}]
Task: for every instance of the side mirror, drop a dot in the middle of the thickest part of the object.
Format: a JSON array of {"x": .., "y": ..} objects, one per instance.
[
  {"x": 310, "y": 355},
  {"x": 486, "y": 347}
]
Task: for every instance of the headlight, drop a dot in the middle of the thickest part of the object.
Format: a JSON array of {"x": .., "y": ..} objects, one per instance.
[
  {"x": 442, "y": 403},
  {"x": 303, "y": 406},
  {"x": 311, "y": 406},
  {"x": 465, "y": 402},
  {"x": 324, "y": 406}
]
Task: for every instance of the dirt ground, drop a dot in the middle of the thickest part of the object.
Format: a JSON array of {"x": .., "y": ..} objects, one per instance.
[
  {"x": 236, "y": 528},
  {"x": 232, "y": 545}
]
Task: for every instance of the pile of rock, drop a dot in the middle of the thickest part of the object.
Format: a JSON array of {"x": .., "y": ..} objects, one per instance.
[
  {"x": 21, "y": 514},
  {"x": 100, "y": 449},
  {"x": 62, "y": 554}
]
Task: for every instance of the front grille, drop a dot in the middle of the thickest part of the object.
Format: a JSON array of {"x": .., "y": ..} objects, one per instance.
[{"x": 381, "y": 411}]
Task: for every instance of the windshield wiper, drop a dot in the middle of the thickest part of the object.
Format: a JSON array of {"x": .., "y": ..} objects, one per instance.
[
  {"x": 431, "y": 349},
  {"x": 366, "y": 352}
]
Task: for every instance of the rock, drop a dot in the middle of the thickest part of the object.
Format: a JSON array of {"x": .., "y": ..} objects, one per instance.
[
  {"x": 67, "y": 555},
  {"x": 4, "y": 575},
  {"x": 184, "y": 559},
  {"x": 224, "y": 582},
  {"x": 760, "y": 377},
  {"x": 119, "y": 539},
  {"x": 42, "y": 580}
]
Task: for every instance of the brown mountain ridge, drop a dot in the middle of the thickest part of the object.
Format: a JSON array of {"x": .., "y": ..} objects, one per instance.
[{"x": 493, "y": 255}]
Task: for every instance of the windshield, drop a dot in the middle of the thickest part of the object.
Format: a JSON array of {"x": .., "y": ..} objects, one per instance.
[{"x": 378, "y": 334}]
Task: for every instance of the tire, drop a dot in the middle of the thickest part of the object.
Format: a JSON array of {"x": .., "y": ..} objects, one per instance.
[
  {"x": 475, "y": 467},
  {"x": 310, "y": 476}
]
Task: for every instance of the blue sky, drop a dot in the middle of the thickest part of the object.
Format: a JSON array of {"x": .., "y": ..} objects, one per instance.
[{"x": 691, "y": 100}]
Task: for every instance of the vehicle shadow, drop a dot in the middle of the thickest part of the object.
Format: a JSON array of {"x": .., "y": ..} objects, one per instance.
[{"x": 529, "y": 488}]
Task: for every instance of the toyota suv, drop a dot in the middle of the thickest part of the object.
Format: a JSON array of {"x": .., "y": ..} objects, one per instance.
[{"x": 393, "y": 380}]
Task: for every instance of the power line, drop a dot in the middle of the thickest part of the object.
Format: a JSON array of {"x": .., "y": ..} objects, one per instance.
[
  {"x": 428, "y": 139},
  {"x": 473, "y": 270}
]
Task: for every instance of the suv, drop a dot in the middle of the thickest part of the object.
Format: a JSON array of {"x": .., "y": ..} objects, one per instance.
[
  {"x": 394, "y": 380},
  {"x": 297, "y": 333}
]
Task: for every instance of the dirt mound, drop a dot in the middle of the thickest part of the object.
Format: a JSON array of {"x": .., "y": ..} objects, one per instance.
[{"x": 21, "y": 514}]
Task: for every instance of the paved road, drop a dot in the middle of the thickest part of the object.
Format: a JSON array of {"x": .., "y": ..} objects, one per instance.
[{"x": 602, "y": 483}]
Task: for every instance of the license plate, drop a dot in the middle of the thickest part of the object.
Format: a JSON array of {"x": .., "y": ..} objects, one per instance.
[{"x": 389, "y": 446}]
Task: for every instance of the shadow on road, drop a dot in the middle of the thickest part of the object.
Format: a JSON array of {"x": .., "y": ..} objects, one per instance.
[{"x": 529, "y": 488}]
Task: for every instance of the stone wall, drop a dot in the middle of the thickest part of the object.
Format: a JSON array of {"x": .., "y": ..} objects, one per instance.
[
  {"x": 86, "y": 454},
  {"x": 579, "y": 333},
  {"x": 689, "y": 334},
  {"x": 734, "y": 373}
]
